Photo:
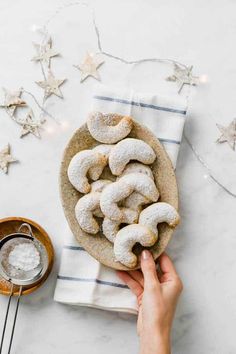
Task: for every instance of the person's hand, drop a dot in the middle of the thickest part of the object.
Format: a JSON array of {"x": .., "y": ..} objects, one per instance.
[{"x": 157, "y": 295}]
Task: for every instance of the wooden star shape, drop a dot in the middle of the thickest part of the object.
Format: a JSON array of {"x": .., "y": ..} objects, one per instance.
[
  {"x": 228, "y": 134},
  {"x": 29, "y": 125},
  {"x": 51, "y": 85},
  {"x": 89, "y": 66},
  {"x": 12, "y": 100},
  {"x": 6, "y": 158},
  {"x": 184, "y": 76},
  {"x": 45, "y": 52}
]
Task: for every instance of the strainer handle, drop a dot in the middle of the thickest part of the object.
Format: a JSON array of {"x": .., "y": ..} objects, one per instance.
[{"x": 28, "y": 227}]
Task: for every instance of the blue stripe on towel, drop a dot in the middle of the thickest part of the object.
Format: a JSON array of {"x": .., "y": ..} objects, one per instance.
[
  {"x": 75, "y": 248},
  {"x": 171, "y": 141},
  {"x": 91, "y": 280},
  {"x": 140, "y": 104}
]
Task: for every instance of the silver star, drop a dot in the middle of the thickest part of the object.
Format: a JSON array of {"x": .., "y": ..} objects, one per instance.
[
  {"x": 89, "y": 66},
  {"x": 29, "y": 125},
  {"x": 45, "y": 52},
  {"x": 6, "y": 158},
  {"x": 51, "y": 85},
  {"x": 12, "y": 100},
  {"x": 228, "y": 134},
  {"x": 184, "y": 76}
]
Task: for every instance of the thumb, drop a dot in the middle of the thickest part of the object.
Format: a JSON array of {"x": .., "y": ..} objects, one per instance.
[{"x": 148, "y": 267}]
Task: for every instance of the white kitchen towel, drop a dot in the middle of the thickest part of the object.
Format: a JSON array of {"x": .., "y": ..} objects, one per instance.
[{"x": 82, "y": 280}]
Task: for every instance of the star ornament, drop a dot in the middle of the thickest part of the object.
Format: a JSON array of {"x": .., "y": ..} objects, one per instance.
[
  {"x": 45, "y": 52},
  {"x": 228, "y": 134},
  {"x": 6, "y": 158},
  {"x": 12, "y": 100},
  {"x": 183, "y": 76},
  {"x": 29, "y": 125},
  {"x": 51, "y": 85},
  {"x": 89, "y": 66}
]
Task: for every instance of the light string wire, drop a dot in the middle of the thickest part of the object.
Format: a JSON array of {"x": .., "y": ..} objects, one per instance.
[
  {"x": 207, "y": 168},
  {"x": 45, "y": 38},
  {"x": 136, "y": 62},
  {"x": 40, "y": 106},
  {"x": 129, "y": 62},
  {"x": 99, "y": 43}
]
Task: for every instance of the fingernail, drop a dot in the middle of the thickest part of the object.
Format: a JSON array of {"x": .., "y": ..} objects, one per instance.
[{"x": 146, "y": 255}]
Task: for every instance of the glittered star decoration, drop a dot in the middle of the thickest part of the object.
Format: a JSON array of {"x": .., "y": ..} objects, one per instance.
[
  {"x": 29, "y": 125},
  {"x": 6, "y": 158},
  {"x": 12, "y": 100},
  {"x": 184, "y": 76},
  {"x": 228, "y": 134},
  {"x": 89, "y": 66},
  {"x": 45, "y": 52},
  {"x": 51, "y": 85}
]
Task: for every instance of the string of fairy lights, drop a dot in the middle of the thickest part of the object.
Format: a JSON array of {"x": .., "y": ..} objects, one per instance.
[{"x": 182, "y": 75}]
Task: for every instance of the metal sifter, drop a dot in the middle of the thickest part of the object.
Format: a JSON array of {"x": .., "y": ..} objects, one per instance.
[{"x": 19, "y": 278}]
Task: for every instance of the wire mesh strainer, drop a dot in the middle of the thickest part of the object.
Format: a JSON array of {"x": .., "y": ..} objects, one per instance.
[{"x": 19, "y": 277}]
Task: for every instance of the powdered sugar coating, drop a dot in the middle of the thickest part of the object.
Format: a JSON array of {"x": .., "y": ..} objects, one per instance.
[
  {"x": 104, "y": 149},
  {"x": 79, "y": 166},
  {"x": 137, "y": 167},
  {"x": 135, "y": 201},
  {"x": 96, "y": 171},
  {"x": 142, "y": 184},
  {"x": 111, "y": 195},
  {"x": 117, "y": 191},
  {"x": 111, "y": 227},
  {"x": 130, "y": 149},
  {"x": 98, "y": 186},
  {"x": 102, "y": 128},
  {"x": 84, "y": 212},
  {"x": 157, "y": 213},
  {"x": 125, "y": 240}
]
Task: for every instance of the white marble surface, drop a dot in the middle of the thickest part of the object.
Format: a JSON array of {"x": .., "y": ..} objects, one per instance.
[{"x": 199, "y": 33}]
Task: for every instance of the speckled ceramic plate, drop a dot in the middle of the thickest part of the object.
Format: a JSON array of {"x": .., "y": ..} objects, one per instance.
[{"x": 98, "y": 246}]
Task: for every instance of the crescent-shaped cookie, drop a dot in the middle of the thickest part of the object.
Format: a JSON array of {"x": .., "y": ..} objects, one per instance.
[
  {"x": 130, "y": 149},
  {"x": 84, "y": 212},
  {"x": 111, "y": 227},
  {"x": 117, "y": 191},
  {"x": 142, "y": 184},
  {"x": 79, "y": 166},
  {"x": 102, "y": 128},
  {"x": 157, "y": 213},
  {"x": 111, "y": 196},
  {"x": 135, "y": 201},
  {"x": 125, "y": 240}
]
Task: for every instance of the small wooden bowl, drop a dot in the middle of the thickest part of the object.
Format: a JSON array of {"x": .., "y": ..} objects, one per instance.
[
  {"x": 97, "y": 245},
  {"x": 10, "y": 225}
]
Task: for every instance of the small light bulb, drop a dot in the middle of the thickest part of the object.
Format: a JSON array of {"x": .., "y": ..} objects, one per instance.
[
  {"x": 203, "y": 79},
  {"x": 64, "y": 124},
  {"x": 49, "y": 130}
]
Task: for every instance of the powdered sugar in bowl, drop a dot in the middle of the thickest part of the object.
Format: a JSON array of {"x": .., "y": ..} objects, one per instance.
[{"x": 23, "y": 259}]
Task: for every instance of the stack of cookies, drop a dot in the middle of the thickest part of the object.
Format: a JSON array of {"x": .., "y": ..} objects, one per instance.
[{"x": 125, "y": 203}]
